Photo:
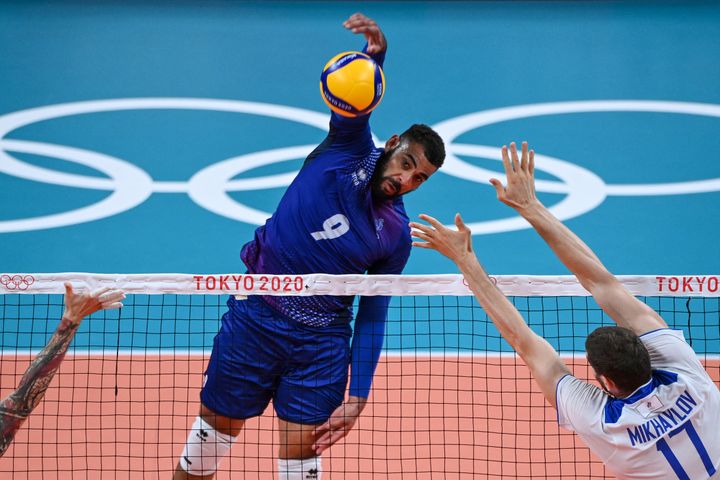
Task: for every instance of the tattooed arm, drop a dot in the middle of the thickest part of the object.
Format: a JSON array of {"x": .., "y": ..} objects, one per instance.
[{"x": 15, "y": 408}]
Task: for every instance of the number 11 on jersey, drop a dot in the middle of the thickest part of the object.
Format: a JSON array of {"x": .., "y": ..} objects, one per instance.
[{"x": 664, "y": 447}]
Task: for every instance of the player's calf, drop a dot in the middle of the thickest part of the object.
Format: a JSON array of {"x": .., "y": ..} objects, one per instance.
[
  {"x": 300, "y": 469},
  {"x": 297, "y": 460}
]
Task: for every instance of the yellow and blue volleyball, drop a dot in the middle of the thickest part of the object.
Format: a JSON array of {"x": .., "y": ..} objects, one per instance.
[{"x": 352, "y": 84}]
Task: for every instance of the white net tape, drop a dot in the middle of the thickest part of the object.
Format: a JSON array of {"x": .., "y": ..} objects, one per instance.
[{"x": 322, "y": 284}]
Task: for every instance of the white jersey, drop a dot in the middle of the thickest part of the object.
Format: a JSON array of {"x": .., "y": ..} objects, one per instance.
[{"x": 667, "y": 429}]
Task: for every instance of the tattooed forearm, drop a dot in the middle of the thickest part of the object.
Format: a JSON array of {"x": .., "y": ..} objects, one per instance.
[{"x": 17, "y": 406}]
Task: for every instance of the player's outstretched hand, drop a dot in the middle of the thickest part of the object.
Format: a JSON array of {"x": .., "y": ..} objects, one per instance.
[
  {"x": 359, "y": 23},
  {"x": 454, "y": 244},
  {"x": 520, "y": 173},
  {"x": 79, "y": 305},
  {"x": 339, "y": 424}
]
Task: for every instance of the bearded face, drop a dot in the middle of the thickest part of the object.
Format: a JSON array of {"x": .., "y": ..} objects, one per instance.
[
  {"x": 401, "y": 168},
  {"x": 382, "y": 186}
]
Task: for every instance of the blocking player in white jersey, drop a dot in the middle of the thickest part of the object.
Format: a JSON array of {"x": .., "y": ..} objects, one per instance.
[{"x": 657, "y": 415}]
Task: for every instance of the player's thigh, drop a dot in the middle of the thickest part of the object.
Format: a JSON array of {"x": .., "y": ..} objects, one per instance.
[
  {"x": 310, "y": 391},
  {"x": 248, "y": 357},
  {"x": 295, "y": 440}
]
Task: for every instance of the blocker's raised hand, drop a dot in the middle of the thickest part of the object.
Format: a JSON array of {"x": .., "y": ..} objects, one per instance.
[
  {"x": 520, "y": 190},
  {"x": 454, "y": 244},
  {"x": 78, "y": 305}
]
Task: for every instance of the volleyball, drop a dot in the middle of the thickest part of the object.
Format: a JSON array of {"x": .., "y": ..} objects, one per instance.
[{"x": 352, "y": 84}]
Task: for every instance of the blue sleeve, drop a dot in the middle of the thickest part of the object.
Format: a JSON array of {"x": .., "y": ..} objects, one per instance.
[
  {"x": 370, "y": 321},
  {"x": 378, "y": 57},
  {"x": 367, "y": 343},
  {"x": 369, "y": 333}
]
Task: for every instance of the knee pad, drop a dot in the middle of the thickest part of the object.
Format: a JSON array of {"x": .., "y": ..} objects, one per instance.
[{"x": 204, "y": 449}]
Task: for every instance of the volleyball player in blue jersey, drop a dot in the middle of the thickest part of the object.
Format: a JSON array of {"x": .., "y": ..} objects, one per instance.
[
  {"x": 342, "y": 214},
  {"x": 657, "y": 413}
]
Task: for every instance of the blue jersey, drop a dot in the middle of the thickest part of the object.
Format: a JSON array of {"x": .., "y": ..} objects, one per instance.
[{"x": 328, "y": 222}]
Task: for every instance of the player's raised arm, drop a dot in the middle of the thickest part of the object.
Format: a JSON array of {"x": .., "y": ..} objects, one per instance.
[
  {"x": 352, "y": 85},
  {"x": 609, "y": 293},
  {"x": 542, "y": 359},
  {"x": 16, "y": 407}
]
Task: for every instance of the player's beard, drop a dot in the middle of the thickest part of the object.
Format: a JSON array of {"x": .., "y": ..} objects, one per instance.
[{"x": 379, "y": 181}]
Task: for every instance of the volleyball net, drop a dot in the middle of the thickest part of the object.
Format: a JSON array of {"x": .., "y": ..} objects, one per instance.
[{"x": 450, "y": 399}]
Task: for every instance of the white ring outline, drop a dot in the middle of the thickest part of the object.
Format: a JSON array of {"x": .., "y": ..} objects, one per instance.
[
  {"x": 130, "y": 185},
  {"x": 138, "y": 190},
  {"x": 203, "y": 186},
  {"x": 451, "y": 129},
  {"x": 214, "y": 196},
  {"x": 584, "y": 189},
  {"x": 448, "y": 129}
]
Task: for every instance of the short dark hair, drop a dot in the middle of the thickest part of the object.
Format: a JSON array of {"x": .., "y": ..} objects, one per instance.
[
  {"x": 429, "y": 139},
  {"x": 620, "y": 355}
]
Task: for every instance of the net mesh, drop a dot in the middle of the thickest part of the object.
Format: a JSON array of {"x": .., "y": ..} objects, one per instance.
[{"x": 449, "y": 400}]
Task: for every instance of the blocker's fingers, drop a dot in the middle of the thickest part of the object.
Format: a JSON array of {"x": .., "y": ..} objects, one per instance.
[
  {"x": 432, "y": 221},
  {"x": 112, "y": 299},
  {"x": 531, "y": 167},
  {"x": 422, "y": 245},
  {"x": 499, "y": 188},
  {"x": 97, "y": 293},
  {"x": 421, "y": 226},
  {"x": 421, "y": 236},
  {"x": 111, "y": 294},
  {"x": 111, "y": 306},
  {"x": 514, "y": 156},
  {"x": 506, "y": 160},
  {"x": 524, "y": 156}
]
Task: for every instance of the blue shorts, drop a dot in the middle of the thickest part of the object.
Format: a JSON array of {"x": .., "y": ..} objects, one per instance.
[{"x": 259, "y": 355}]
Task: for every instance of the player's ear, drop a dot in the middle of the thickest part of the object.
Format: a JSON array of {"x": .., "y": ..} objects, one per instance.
[
  {"x": 392, "y": 142},
  {"x": 609, "y": 386}
]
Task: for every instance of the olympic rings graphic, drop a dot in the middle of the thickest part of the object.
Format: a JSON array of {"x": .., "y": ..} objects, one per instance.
[
  {"x": 16, "y": 282},
  {"x": 130, "y": 186}
]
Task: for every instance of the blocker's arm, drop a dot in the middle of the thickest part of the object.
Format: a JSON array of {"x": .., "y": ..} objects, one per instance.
[
  {"x": 544, "y": 362},
  {"x": 626, "y": 310}
]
